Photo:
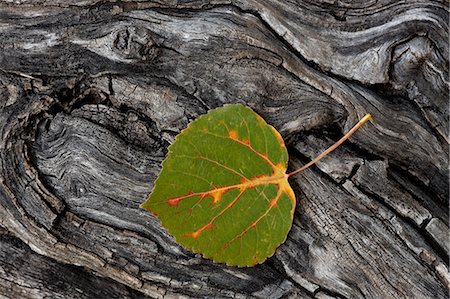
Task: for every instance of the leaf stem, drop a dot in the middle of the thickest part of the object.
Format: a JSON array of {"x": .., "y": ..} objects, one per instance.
[{"x": 334, "y": 146}]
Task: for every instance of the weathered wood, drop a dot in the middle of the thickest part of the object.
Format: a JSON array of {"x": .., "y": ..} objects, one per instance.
[
  {"x": 92, "y": 93},
  {"x": 25, "y": 274}
]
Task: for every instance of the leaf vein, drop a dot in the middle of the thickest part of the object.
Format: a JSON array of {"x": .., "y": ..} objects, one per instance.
[
  {"x": 262, "y": 156},
  {"x": 253, "y": 225}
]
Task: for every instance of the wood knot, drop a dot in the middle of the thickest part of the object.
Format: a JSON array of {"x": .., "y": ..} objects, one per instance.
[{"x": 136, "y": 43}]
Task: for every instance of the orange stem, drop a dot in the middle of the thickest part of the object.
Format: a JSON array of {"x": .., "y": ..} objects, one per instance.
[{"x": 334, "y": 146}]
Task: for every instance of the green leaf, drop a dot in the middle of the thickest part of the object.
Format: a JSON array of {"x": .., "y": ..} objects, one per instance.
[{"x": 223, "y": 190}]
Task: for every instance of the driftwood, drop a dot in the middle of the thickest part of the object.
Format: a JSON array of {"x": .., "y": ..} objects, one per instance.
[
  {"x": 25, "y": 274},
  {"x": 93, "y": 92}
]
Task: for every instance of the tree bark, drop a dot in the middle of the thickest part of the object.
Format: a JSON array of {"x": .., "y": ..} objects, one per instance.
[{"x": 93, "y": 92}]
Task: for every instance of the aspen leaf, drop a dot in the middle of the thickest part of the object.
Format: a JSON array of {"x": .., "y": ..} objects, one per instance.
[{"x": 223, "y": 190}]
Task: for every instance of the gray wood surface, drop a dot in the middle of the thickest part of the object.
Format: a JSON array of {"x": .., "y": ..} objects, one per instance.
[
  {"x": 93, "y": 92},
  {"x": 26, "y": 274}
]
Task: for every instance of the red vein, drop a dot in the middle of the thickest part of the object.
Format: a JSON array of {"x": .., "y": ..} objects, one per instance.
[
  {"x": 274, "y": 179},
  {"x": 258, "y": 153},
  {"x": 210, "y": 222},
  {"x": 254, "y": 223}
]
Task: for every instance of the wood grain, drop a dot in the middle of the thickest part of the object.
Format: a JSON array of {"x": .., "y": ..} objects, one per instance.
[{"x": 93, "y": 92}]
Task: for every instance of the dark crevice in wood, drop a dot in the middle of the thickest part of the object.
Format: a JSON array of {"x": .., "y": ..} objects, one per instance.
[
  {"x": 420, "y": 229},
  {"x": 329, "y": 293},
  {"x": 274, "y": 265},
  {"x": 407, "y": 181}
]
